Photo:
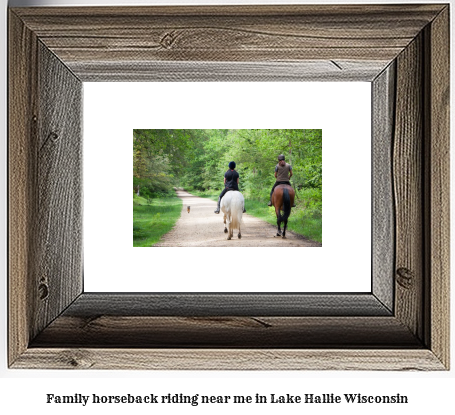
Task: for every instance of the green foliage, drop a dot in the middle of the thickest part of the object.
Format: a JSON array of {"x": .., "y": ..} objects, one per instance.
[
  {"x": 160, "y": 158},
  {"x": 138, "y": 200},
  {"x": 308, "y": 214},
  {"x": 154, "y": 218}
]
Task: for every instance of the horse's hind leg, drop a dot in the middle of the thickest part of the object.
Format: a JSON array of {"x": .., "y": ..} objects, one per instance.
[
  {"x": 240, "y": 234},
  {"x": 278, "y": 221},
  {"x": 229, "y": 233},
  {"x": 284, "y": 228},
  {"x": 229, "y": 236},
  {"x": 225, "y": 229}
]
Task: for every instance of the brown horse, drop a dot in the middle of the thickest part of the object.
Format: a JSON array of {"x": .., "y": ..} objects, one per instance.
[{"x": 282, "y": 198}]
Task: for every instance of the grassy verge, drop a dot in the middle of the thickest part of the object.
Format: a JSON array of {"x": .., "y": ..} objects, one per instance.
[
  {"x": 303, "y": 221},
  {"x": 152, "y": 218}
]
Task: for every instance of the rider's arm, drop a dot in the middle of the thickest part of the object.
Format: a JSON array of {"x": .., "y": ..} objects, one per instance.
[
  {"x": 237, "y": 180},
  {"x": 290, "y": 173}
]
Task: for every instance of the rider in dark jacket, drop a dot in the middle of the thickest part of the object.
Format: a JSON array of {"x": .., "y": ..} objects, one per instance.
[{"x": 231, "y": 182}]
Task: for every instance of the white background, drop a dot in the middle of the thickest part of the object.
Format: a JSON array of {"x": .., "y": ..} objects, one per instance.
[
  {"x": 341, "y": 109},
  {"x": 24, "y": 391}
]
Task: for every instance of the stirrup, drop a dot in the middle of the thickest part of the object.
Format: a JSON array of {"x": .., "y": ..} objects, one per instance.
[
  {"x": 217, "y": 211},
  {"x": 269, "y": 204}
]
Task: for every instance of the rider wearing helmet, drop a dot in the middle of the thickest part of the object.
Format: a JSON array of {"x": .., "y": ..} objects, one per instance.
[
  {"x": 283, "y": 173},
  {"x": 231, "y": 182}
]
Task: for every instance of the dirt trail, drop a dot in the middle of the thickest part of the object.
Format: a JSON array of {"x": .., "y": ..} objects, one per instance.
[{"x": 202, "y": 227}]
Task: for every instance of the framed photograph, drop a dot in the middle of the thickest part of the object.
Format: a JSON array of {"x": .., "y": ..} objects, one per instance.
[{"x": 402, "y": 323}]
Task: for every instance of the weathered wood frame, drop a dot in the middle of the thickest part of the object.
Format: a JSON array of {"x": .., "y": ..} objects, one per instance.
[{"x": 403, "y": 50}]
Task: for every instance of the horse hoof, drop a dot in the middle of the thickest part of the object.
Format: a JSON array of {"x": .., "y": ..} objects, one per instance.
[
  {"x": 278, "y": 234},
  {"x": 225, "y": 230},
  {"x": 239, "y": 235}
]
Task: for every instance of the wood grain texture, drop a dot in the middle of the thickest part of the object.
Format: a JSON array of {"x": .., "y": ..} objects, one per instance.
[
  {"x": 45, "y": 219},
  {"x": 229, "y": 359},
  {"x": 227, "y": 34},
  {"x": 257, "y": 332},
  {"x": 308, "y": 71},
  {"x": 22, "y": 96},
  {"x": 58, "y": 244},
  {"x": 438, "y": 202},
  {"x": 408, "y": 188},
  {"x": 234, "y": 304},
  {"x": 383, "y": 214}
]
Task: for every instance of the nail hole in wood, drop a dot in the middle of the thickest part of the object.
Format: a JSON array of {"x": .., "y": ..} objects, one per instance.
[
  {"x": 43, "y": 291},
  {"x": 53, "y": 137},
  {"x": 405, "y": 278},
  {"x": 168, "y": 39}
]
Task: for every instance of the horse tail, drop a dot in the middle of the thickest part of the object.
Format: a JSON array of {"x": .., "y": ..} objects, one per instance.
[
  {"x": 286, "y": 205},
  {"x": 237, "y": 202}
]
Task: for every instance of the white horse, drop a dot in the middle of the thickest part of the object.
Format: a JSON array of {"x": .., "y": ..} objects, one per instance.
[{"x": 232, "y": 205}]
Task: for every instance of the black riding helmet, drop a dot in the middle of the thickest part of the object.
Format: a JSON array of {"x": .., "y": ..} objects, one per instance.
[
  {"x": 280, "y": 157},
  {"x": 232, "y": 165}
]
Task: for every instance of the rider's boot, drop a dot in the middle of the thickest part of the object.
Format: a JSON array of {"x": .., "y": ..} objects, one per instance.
[
  {"x": 218, "y": 206},
  {"x": 270, "y": 199}
]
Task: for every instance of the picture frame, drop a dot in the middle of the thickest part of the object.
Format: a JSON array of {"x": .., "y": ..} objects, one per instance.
[{"x": 402, "y": 324}]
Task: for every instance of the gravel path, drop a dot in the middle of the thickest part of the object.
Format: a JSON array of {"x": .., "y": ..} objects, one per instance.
[{"x": 202, "y": 227}]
